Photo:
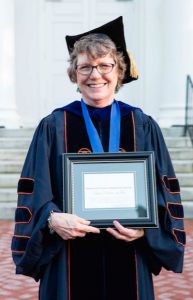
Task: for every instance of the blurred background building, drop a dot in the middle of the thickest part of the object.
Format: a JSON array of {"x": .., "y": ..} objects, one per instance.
[{"x": 34, "y": 81}]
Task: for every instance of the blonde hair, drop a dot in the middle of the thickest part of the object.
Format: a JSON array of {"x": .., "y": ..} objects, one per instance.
[{"x": 96, "y": 47}]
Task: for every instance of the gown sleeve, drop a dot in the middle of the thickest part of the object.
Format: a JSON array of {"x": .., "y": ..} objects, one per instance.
[
  {"x": 32, "y": 244},
  {"x": 167, "y": 243}
]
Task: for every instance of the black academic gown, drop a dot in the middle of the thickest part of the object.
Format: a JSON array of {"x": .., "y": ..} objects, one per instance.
[{"x": 98, "y": 266}]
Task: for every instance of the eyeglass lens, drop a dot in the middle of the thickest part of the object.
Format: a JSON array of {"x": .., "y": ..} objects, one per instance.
[{"x": 102, "y": 69}]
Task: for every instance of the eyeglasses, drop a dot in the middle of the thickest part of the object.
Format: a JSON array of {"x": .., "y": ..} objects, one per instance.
[{"x": 102, "y": 69}]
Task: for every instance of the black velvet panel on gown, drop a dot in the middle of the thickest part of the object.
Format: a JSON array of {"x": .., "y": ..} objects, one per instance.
[
  {"x": 101, "y": 267},
  {"x": 77, "y": 137}
]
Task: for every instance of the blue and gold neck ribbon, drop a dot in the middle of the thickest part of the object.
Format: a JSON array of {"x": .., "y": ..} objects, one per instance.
[{"x": 115, "y": 122}]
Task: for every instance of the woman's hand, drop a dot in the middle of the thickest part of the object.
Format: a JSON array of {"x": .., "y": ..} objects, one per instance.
[
  {"x": 125, "y": 234},
  {"x": 69, "y": 226}
]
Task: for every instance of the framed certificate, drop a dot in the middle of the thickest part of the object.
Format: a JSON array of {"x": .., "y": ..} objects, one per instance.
[{"x": 103, "y": 187}]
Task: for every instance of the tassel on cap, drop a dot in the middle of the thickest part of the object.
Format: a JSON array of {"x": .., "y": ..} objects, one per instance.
[{"x": 133, "y": 69}]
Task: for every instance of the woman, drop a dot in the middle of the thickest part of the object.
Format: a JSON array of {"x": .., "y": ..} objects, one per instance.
[{"x": 79, "y": 261}]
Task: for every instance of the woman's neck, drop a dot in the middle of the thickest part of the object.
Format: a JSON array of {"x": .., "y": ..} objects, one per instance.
[{"x": 97, "y": 103}]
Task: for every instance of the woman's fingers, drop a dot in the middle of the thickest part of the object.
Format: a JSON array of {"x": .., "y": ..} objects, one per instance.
[
  {"x": 121, "y": 229},
  {"x": 88, "y": 229},
  {"x": 118, "y": 235},
  {"x": 67, "y": 235},
  {"x": 69, "y": 226},
  {"x": 79, "y": 234},
  {"x": 83, "y": 225},
  {"x": 131, "y": 233},
  {"x": 81, "y": 220},
  {"x": 126, "y": 234}
]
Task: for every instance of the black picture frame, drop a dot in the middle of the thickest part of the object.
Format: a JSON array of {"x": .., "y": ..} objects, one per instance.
[{"x": 144, "y": 215}]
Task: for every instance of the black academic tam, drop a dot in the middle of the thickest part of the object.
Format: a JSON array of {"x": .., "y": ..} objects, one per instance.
[
  {"x": 97, "y": 266},
  {"x": 113, "y": 30}
]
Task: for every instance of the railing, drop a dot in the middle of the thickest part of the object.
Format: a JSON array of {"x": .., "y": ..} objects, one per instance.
[{"x": 189, "y": 108}]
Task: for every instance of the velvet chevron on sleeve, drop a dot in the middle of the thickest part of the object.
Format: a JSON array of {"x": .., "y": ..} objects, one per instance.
[
  {"x": 32, "y": 246},
  {"x": 167, "y": 248}
]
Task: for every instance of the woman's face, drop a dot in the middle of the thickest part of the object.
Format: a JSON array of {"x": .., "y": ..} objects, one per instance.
[{"x": 97, "y": 89}]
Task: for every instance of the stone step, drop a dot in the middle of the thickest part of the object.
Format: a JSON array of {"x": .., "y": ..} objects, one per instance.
[
  {"x": 22, "y": 132},
  {"x": 20, "y": 154},
  {"x": 188, "y": 209},
  {"x": 178, "y": 142},
  {"x": 185, "y": 179},
  {"x": 15, "y": 143},
  {"x": 183, "y": 166},
  {"x": 7, "y": 210},
  {"x": 8, "y": 195},
  {"x": 173, "y": 131},
  {"x": 9, "y": 180},
  {"x": 28, "y": 132},
  {"x": 181, "y": 153},
  {"x": 13, "y": 154},
  {"x": 186, "y": 193},
  {"x": 9, "y": 166}
]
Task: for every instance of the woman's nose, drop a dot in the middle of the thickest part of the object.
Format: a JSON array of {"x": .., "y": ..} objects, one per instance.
[{"x": 95, "y": 74}]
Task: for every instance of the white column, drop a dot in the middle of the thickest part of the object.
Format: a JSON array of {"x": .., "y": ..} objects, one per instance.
[
  {"x": 177, "y": 58},
  {"x": 8, "y": 110}
]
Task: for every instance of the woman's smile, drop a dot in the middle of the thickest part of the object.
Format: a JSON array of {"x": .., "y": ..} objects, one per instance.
[{"x": 96, "y": 86}]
